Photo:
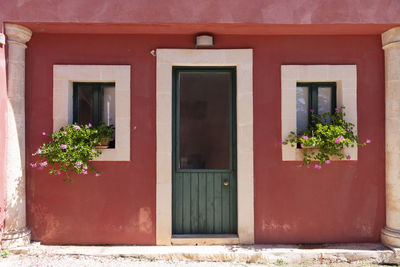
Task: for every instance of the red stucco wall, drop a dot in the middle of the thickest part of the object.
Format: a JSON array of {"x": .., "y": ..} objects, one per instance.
[
  {"x": 205, "y": 11},
  {"x": 3, "y": 114},
  {"x": 343, "y": 202}
]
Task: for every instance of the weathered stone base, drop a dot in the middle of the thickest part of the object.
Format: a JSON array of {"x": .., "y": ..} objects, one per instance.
[
  {"x": 15, "y": 239},
  {"x": 261, "y": 254},
  {"x": 390, "y": 237}
]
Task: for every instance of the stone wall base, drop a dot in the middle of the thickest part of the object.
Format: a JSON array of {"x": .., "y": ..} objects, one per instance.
[
  {"x": 17, "y": 238},
  {"x": 390, "y": 237}
]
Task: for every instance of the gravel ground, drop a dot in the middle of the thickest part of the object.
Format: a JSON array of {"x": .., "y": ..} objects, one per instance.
[{"x": 75, "y": 260}]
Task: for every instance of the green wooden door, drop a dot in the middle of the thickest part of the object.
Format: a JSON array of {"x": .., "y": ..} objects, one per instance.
[{"x": 204, "y": 188}]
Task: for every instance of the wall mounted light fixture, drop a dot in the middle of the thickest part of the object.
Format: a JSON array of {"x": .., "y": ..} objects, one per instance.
[{"x": 204, "y": 40}]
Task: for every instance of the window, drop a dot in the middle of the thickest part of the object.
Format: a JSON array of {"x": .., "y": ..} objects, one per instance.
[
  {"x": 94, "y": 103},
  {"x": 115, "y": 109},
  {"x": 317, "y": 96},
  {"x": 343, "y": 93}
]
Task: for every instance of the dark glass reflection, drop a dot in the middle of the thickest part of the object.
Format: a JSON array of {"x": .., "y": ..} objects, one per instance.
[
  {"x": 204, "y": 120},
  {"x": 85, "y": 103},
  {"x": 302, "y": 109}
]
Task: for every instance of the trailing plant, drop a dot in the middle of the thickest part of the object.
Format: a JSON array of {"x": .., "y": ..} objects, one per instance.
[
  {"x": 70, "y": 149},
  {"x": 325, "y": 138}
]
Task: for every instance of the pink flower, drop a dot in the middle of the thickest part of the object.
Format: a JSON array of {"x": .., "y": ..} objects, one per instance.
[
  {"x": 84, "y": 167},
  {"x": 281, "y": 142},
  {"x": 308, "y": 166},
  {"x": 84, "y": 172},
  {"x": 43, "y": 133},
  {"x": 58, "y": 172},
  {"x": 40, "y": 168},
  {"x": 338, "y": 109},
  {"x": 94, "y": 150},
  {"x": 368, "y": 141},
  {"x": 43, "y": 164},
  {"x": 318, "y": 166},
  {"x": 348, "y": 157},
  {"x": 339, "y": 139},
  {"x": 312, "y": 110},
  {"x": 90, "y": 125},
  {"x": 76, "y": 127},
  {"x": 328, "y": 162},
  {"x": 301, "y": 145},
  {"x": 63, "y": 146},
  {"x": 64, "y": 132},
  {"x": 33, "y": 165},
  {"x": 38, "y": 152},
  {"x": 304, "y": 137},
  {"x": 97, "y": 174},
  {"x": 75, "y": 147},
  {"x": 78, "y": 163}
]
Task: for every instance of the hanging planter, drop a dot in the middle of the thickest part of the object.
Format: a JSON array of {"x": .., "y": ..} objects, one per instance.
[
  {"x": 325, "y": 138},
  {"x": 70, "y": 150}
]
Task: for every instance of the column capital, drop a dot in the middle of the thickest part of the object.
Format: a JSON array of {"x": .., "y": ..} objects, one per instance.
[{"x": 17, "y": 34}]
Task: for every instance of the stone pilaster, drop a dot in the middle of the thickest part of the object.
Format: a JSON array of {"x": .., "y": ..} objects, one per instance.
[
  {"x": 391, "y": 44},
  {"x": 15, "y": 231}
]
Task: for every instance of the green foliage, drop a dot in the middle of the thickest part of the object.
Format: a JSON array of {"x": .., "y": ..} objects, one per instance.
[
  {"x": 105, "y": 132},
  {"x": 70, "y": 149},
  {"x": 5, "y": 253},
  {"x": 326, "y": 137}
]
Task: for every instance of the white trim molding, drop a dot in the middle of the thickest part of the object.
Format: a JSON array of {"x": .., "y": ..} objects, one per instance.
[
  {"x": 63, "y": 78},
  {"x": 345, "y": 77},
  {"x": 243, "y": 60}
]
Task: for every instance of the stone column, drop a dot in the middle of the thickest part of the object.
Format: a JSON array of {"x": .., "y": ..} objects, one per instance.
[
  {"x": 391, "y": 44},
  {"x": 15, "y": 231}
]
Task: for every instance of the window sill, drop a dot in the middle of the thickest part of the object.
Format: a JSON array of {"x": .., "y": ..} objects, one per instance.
[{"x": 297, "y": 154}]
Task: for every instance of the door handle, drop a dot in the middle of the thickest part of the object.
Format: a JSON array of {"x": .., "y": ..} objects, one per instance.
[{"x": 226, "y": 182}]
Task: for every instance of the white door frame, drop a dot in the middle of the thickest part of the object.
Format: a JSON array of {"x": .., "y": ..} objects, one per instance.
[{"x": 242, "y": 59}]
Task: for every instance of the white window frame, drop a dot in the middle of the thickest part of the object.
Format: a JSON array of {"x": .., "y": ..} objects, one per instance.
[
  {"x": 345, "y": 77},
  {"x": 63, "y": 78}
]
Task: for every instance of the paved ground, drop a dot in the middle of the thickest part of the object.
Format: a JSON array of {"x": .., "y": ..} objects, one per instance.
[
  {"x": 76, "y": 260},
  {"x": 256, "y": 255}
]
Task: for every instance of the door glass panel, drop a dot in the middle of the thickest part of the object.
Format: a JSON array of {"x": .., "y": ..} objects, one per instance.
[
  {"x": 302, "y": 109},
  {"x": 204, "y": 120}
]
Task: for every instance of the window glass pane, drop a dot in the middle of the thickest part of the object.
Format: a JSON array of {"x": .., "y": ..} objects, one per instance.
[
  {"x": 302, "y": 109},
  {"x": 109, "y": 105},
  {"x": 85, "y": 103},
  {"x": 204, "y": 120},
  {"x": 324, "y": 100}
]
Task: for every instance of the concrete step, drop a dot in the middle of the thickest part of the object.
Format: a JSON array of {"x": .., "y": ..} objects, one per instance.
[{"x": 288, "y": 254}]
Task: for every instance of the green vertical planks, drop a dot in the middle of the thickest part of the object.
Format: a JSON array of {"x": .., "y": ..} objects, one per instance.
[
  {"x": 194, "y": 203},
  {"x": 210, "y": 203},
  {"x": 186, "y": 203},
  {"x": 202, "y": 204},
  {"x": 225, "y": 204}
]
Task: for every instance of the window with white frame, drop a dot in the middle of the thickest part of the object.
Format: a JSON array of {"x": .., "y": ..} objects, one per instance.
[
  {"x": 95, "y": 94},
  {"x": 317, "y": 88}
]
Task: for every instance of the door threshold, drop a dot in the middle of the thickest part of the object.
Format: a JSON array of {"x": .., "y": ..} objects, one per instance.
[{"x": 205, "y": 239}]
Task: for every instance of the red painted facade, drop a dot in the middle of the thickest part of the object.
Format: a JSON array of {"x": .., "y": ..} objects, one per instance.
[
  {"x": 344, "y": 202},
  {"x": 205, "y": 11}
]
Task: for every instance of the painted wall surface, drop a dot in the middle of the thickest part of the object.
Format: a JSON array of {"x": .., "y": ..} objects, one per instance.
[
  {"x": 343, "y": 202},
  {"x": 3, "y": 126},
  {"x": 206, "y": 11}
]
